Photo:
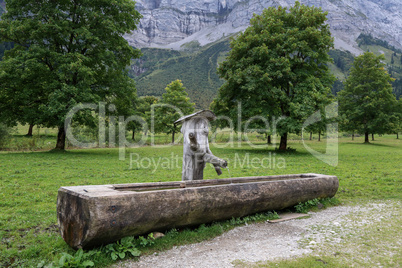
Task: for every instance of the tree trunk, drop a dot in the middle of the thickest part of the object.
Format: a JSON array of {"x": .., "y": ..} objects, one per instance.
[
  {"x": 133, "y": 137},
  {"x": 319, "y": 135},
  {"x": 366, "y": 137},
  {"x": 269, "y": 139},
  {"x": 372, "y": 137},
  {"x": 284, "y": 141},
  {"x": 311, "y": 135},
  {"x": 61, "y": 139},
  {"x": 353, "y": 136},
  {"x": 397, "y": 135},
  {"x": 30, "y": 130},
  {"x": 173, "y": 137}
]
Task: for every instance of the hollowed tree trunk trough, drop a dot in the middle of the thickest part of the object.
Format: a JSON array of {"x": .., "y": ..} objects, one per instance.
[{"x": 93, "y": 215}]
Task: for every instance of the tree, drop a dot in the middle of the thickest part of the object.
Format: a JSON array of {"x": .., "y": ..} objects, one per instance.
[
  {"x": 77, "y": 47},
  {"x": 174, "y": 104},
  {"x": 21, "y": 82},
  {"x": 143, "y": 110},
  {"x": 366, "y": 103},
  {"x": 5, "y": 46},
  {"x": 398, "y": 115},
  {"x": 277, "y": 68}
]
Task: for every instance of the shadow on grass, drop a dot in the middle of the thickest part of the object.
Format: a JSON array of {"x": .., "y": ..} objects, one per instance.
[
  {"x": 369, "y": 144},
  {"x": 35, "y": 136},
  {"x": 266, "y": 151},
  {"x": 68, "y": 152}
]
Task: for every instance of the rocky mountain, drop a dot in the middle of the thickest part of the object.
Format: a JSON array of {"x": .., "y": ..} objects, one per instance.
[{"x": 172, "y": 23}]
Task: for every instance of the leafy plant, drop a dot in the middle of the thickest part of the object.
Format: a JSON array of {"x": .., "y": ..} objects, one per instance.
[
  {"x": 122, "y": 248},
  {"x": 149, "y": 241},
  {"x": 78, "y": 260},
  {"x": 306, "y": 206},
  {"x": 254, "y": 218}
]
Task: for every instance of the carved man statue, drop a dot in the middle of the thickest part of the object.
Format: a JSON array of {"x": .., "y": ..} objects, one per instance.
[{"x": 196, "y": 150}]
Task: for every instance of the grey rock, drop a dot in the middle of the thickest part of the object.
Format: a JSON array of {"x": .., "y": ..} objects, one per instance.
[
  {"x": 171, "y": 23},
  {"x": 157, "y": 235}
]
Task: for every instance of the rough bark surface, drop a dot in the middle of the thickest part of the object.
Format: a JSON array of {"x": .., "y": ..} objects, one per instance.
[
  {"x": 61, "y": 139},
  {"x": 284, "y": 141},
  {"x": 30, "y": 130},
  {"x": 91, "y": 215},
  {"x": 366, "y": 137}
]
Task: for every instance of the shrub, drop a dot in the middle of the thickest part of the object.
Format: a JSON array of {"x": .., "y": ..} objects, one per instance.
[{"x": 4, "y": 134}]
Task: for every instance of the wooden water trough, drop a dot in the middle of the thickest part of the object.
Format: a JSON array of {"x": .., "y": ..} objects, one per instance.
[{"x": 93, "y": 215}]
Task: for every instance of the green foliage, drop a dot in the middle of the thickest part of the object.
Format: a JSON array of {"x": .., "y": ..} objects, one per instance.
[
  {"x": 338, "y": 86},
  {"x": 65, "y": 53},
  {"x": 143, "y": 109},
  {"x": 196, "y": 70},
  {"x": 342, "y": 59},
  {"x": 306, "y": 206},
  {"x": 368, "y": 39},
  {"x": 278, "y": 68},
  {"x": 367, "y": 104},
  {"x": 191, "y": 46},
  {"x": 397, "y": 87},
  {"x": 160, "y": 65},
  {"x": 146, "y": 242},
  {"x": 311, "y": 204},
  {"x": 122, "y": 248},
  {"x": 174, "y": 104},
  {"x": 78, "y": 260},
  {"x": 393, "y": 58},
  {"x": 254, "y": 218},
  {"x": 4, "y": 47}
]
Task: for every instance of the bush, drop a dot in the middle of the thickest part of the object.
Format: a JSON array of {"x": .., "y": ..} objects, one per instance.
[{"x": 4, "y": 135}]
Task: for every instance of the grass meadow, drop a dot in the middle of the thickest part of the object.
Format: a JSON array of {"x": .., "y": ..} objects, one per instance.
[{"x": 30, "y": 179}]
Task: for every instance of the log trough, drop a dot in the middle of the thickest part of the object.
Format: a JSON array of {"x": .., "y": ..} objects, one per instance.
[{"x": 93, "y": 215}]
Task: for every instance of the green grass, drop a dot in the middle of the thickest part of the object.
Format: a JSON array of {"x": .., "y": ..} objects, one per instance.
[
  {"x": 337, "y": 72},
  {"x": 378, "y": 50},
  {"x": 29, "y": 182},
  {"x": 195, "y": 66}
]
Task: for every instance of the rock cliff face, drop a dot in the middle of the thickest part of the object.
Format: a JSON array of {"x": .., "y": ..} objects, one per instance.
[{"x": 171, "y": 23}]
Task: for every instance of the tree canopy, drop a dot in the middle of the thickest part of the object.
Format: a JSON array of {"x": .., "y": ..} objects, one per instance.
[
  {"x": 71, "y": 52},
  {"x": 367, "y": 104},
  {"x": 277, "y": 68},
  {"x": 174, "y": 104}
]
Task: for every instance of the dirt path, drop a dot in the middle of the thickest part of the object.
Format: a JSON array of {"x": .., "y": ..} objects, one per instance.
[{"x": 268, "y": 241}]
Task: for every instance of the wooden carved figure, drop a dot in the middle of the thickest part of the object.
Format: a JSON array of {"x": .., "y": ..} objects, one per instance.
[{"x": 196, "y": 150}]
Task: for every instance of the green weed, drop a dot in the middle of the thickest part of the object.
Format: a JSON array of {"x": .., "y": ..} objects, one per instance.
[
  {"x": 122, "y": 248},
  {"x": 77, "y": 260},
  {"x": 146, "y": 242}
]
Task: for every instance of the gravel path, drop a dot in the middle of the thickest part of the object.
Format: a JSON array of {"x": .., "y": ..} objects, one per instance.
[{"x": 265, "y": 241}]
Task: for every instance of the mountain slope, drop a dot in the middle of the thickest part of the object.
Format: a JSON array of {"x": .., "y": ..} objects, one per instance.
[
  {"x": 197, "y": 70},
  {"x": 158, "y": 67},
  {"x": 171, "y": 23}
]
